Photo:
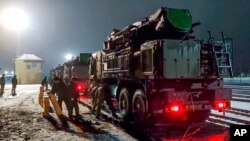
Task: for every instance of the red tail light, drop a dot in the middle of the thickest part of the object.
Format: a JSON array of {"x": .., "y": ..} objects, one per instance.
[
  {"x": 220, "y": 104},
  {"x": 174, "y": 107},
  {"x": 79, "y": 88}
]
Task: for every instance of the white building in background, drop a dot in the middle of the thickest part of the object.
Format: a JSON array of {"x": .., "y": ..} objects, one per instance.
[{"x": 28, "y": 69}]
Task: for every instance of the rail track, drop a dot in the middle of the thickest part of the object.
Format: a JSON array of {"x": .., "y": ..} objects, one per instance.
[
  {"x": 229, "y": 118},
  {"x": 217, "y": 123},
  {"x": 238, "y": 114},
  {"x": 239, "y": 92}
]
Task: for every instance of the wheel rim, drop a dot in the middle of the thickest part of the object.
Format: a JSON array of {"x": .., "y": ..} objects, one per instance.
[
  {"x": 138, "y": 106},
  {"x": 124, "y": 104}
]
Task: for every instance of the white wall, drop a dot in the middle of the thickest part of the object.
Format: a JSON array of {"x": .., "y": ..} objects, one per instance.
[{"x": 28, "y": 72}]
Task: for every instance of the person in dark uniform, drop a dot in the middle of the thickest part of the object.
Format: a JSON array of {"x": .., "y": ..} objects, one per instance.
[
  {"x": 45, "y": 83},
  {"x": 103, "y": 93},
  {"x": 73, "y": 99},
  {"x": 2, "y": 81},
  {"x": 92, "y": 89},
  {"x": 14, "y": 83},
  {"x": 55, "y": 85},
  {"x": 62, "y": 94},
  {"x": 60, "y": 88},
  {"x": 51, "y": 82}
]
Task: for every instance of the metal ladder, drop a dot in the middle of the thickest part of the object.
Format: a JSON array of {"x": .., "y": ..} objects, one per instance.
[
  {"x": 223, "y": 59},
  {"x": 216, "y": 57}
]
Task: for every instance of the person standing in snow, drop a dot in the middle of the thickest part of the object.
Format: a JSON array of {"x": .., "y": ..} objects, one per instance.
[
  {"x": 62, "y": 94},
  {"x": 2, "y": 82},
  {"x": 45, "y": 83},
  {"x": 73, "y": 100},
  {"x": 51, "y": 80},
  {"x": 92, "y": 89},
  {"x": 103, "y": 93},
  {"x": 60, "y": 88},
  {"x": 14, "y": 83}
]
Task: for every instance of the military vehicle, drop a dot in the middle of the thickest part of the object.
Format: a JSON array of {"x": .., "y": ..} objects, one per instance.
[
  {"x": 159, "y": 73},
  {"x": 76, "y": 68}
]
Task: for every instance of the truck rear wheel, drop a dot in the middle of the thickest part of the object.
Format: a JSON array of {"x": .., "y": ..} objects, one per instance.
[
  {"x": 138, "y": 106},
  {"x": 124, "y": 103}
]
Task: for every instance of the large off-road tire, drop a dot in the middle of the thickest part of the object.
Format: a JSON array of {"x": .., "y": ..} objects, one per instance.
[
  {"x": 124, "y": 104},
  {"x": 139, "y": 106}
]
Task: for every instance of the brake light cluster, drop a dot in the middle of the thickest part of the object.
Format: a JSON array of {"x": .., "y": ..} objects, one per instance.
[
  {"x": 221, "y": 104},
  {"x": 79, "y": 88},
  {"x": 179, "y": 107},
  {"x": 174, "y": 107}
]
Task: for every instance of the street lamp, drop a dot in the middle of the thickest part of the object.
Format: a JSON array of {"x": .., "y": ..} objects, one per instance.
[
  {"x": 68, "y": 57},
  {"x": 15, "y": 19}
]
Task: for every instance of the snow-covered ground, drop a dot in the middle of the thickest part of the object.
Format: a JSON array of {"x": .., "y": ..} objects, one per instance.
[
  {"x": 241, "y": 105},
  {"x": 21, "y": 119}
]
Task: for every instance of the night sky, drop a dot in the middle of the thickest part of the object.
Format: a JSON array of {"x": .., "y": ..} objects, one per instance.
[{"x": 58, "y": 27}]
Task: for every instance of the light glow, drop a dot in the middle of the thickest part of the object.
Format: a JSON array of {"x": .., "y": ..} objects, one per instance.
[
  {"x": 68, "y": 56},
  {"x": 174, "y": 108},
  {"x": 15, "y": 18},
  {"x": 79, "y": 87},
  {"x": 220, "y": 104},
  {"x": 6, "y": 72}
]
